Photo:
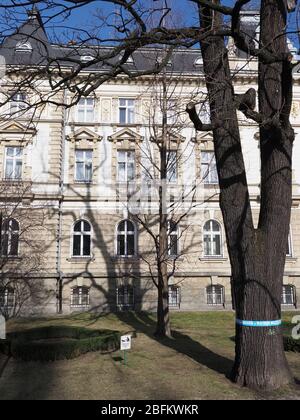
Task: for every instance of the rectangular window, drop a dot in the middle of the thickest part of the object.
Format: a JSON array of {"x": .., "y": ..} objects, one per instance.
[
  {"x": 172, "y": 167},
  {"x": 172, "y": 112},
  {"x": 289, "y": 250},
  {"x": 18, "y": 103},
  {"x": 288, "y": 295},
  {"x": 174, "y": 296},
  {"x": 215, "y": 295},
  {"x": 85, "y": 110},
  {"x": 126, "y": 166},
  {"x": 13, "y": 163},
  {"x": 209, "y": 168},
  {"x": 125, "y": 297},
  {"x": 84, "y": 165},
  {"x": 126, "y": 111},
  {"x": 80, "y": 297}
]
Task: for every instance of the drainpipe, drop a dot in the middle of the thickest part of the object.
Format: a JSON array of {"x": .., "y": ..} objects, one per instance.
[{"x": 60, "y": 274}]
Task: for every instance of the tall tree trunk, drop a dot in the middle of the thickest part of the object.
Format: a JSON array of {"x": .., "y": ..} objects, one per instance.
[
  {"x": 163, "y": 317},
  {"x": 257, "y": 255}
]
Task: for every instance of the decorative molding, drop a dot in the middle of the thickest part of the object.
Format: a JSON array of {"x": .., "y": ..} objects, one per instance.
[
  {"x": 14, "y": 131},
  {"x": 84, "y": 134},
  {"x": 126, "y": 134}
]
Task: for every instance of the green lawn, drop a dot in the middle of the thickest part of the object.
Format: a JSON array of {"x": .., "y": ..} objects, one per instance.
[{"x": 193, "y": 365}]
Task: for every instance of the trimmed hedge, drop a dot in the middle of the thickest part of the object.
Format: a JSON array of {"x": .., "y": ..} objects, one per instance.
[
  {"x": 58, "y": 343},
  {"x": 290, "y": 344}
]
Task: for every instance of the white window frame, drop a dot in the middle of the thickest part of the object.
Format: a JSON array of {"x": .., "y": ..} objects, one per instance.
[
  {"x": 23, "y": 46},
  {"x": 290, "y": 245},
  {"x": 10, "y": 233},
  {"x": 209, "y": 168},
  {"x": 86, "y": 161},
  {"x": 170, "y": 167},
  {"x": 18, "y": 103},
  {"x": 6, "y": 291},
  {"x": 171, "y": 288},
  {"x": 84, "y": 106},
  {"x": 175, "y": 233},
  {"x": 129, "y": 108},
  {"x": 211, "y": 234},
  {"x": 81, "y": 234},
  {"x": 127, "y": 162},
  {"x": 14, "y": 160},
  {"x": 125, "y": 233},
  {"x": 80, "y": 295},
  {"x": 284, "y": 295},
  {"x": 213, "y": 296}
]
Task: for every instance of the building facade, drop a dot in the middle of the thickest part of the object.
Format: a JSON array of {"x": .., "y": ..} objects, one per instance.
[{"x": 70, "y": 173}]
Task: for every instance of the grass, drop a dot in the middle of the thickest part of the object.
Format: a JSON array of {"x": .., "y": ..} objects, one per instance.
[{"x": 193, "y": 365}]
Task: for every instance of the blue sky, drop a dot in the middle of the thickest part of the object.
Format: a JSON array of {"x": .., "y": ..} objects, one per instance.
[{"x": 87, "y": 17}]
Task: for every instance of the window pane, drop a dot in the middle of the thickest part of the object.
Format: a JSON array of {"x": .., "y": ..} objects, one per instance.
[
  {"x": 87, "y": 227},
  {"x": 79, "y": 155},
  {"x": 121, "y": 227},
  {"x": 130, "y": 226},
  {"x": 130, "y": 245},
  {"x": 207, "y": 245},
  {"x": 131, "y": 172},
  {"x": 76, "y": 245},
  {"x": 4, "y": 250},
  {"x": 122, "y": 115},
  {"x": 18, "y": 173},
  {"x": 86, "y": 245},
  {"x": 77, "y": 227},
  {"x": 9, "y": 169},
  {"x": 121, "y": 245},
  {"x": 80, "y": 172},
  {"x": 173, "y": 245},
  {"x": 14, "y": 247},
  {"x": 121, "y": 172}
]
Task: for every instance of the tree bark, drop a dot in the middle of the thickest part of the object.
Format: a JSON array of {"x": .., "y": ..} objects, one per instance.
[{"x": 257, "y": 256}]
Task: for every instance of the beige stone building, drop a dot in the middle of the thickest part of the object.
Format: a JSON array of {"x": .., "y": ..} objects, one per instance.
[{"x": 71, "y": 173}]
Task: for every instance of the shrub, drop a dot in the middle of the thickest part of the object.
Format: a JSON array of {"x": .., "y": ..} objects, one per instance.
[
  {"x": 290, "y": 344},
  {"x": 58, "y": 342}
]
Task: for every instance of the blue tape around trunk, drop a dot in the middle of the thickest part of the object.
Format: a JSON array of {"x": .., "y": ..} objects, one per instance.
[{"x": 243, "y": 323}]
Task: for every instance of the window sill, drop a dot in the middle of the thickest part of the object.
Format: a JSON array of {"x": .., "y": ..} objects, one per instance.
[
  {"x": 80, "y": 306},
  {"x": 11, "y": 257},
  {"x": 134, "y": 258},
  {"x": 84, "y": 182},
  {"x": 80, "y": 259},
  {"x": 291, "y": 259},
  {"x": 213, "y": 259}
]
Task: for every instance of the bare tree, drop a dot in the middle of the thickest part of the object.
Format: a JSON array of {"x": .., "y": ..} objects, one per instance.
[
  {"x": 21, "y": 253},
  {"x": 167, "y": 201},
  {"x": 257, "y": 254}
]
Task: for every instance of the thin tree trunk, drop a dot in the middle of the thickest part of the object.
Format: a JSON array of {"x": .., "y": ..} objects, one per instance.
[
  {"x": 163, "y": 317},
  {"x": 257, "y": 255}
]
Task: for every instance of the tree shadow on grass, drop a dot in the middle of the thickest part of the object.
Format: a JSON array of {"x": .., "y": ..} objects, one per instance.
[{"x": 181, "y": 343}]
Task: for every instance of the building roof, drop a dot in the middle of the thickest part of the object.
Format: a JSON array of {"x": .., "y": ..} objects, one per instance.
[{"x": 29, "y": 45}]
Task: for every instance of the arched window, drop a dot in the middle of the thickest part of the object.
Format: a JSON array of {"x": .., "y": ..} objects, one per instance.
[
  {"x": 215, "y": 295},
  {"x": 173, "y": 239},
  {"x": 125, "y": 297},
  {"x": 10, "y": 238},
  {"x": 198, "y": 62},
  {"x": 126, "y": 239},
  {"x": 23, "y": 46},
  {"x": 82, "y": 239},
  {"x": 288, "y": 296},
  {"x": 80, "y": 297},
  {"x": 212, "y": 239}
]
